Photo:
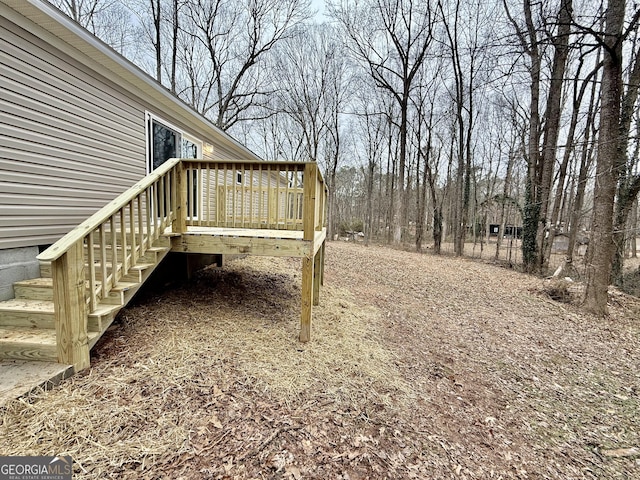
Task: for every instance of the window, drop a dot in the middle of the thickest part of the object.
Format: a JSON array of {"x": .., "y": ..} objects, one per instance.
[
  {"x": 166, "y": 141},
  {"x": 190, "y": 149}
]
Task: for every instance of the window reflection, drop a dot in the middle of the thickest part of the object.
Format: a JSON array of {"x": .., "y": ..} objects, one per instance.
[
  {"x": 189, "y": 149},
  {"x": 165, "y": 142}
]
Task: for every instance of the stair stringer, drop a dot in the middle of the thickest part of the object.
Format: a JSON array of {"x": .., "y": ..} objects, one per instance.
[{"x": 106, "y": 312}]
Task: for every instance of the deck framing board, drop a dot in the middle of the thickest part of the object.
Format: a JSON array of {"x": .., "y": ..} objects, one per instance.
[{"x": 230, "y": 241}]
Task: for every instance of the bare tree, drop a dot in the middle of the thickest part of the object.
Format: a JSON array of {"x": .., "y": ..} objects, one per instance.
[
  {"x": 371, "y": 124},
  {"x": 551, "y": 129},
  {"x": 83, "y": 11},
  {"x": 237, "y": 38},
  {"x": 627, "y": 166},
  {"x": 109, "y": 20},
  {"x": 391, "y": 38},
  {"x": 313, "y": 81},
  {"x": 579, "y": 89},
  {"x": 541, "y": 158},
  {"x": 587, "y": 147}
]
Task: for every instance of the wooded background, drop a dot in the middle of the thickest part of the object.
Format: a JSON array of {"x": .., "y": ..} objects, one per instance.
[{"x": 431, "y": 119}]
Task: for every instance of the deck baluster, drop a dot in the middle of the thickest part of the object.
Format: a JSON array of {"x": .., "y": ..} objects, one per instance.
[{"x": 93, "y": 301}]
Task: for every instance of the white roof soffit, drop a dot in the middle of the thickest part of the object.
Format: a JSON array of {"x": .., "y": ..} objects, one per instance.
[{"x": 99, "y": 56}]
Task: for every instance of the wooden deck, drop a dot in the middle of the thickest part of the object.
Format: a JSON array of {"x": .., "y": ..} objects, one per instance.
[{"x": 188, "y": 206}]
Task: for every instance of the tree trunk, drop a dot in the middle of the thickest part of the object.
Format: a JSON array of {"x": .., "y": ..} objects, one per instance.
[
  {"x": 585, "y": 164},
  {"x": 628, "y": 181},
  {"x": 531, "y": 210},
  {"x": 506, "y": 191},
  {"x": 437, "y": 229},
  {"x": 626, "y": 199},
  {"x": 174, "y": 45},
  {"x": 552, "y": 124},
  {"x": 601, "y": 245},
  {"x": 157, "y": 19},
  {"x": 369, "y": 216},
  {"x": 577, "y": 102},
  {"x": 402, "y": 200},
  {"x": 634, "y": 231}
]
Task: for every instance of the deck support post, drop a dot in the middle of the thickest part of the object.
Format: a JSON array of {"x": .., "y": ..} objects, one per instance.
[
  {"x": 309, "y": 180},
  {"x": 307, "y": 298},
  {"x": 317, "y": 274},
  {"x": 70, "y": 308}
]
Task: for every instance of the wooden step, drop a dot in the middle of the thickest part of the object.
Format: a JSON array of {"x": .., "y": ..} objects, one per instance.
[
  {"x": 137, "y": 273},
  {"x": 100, "y": 319},
  {"x": 150, "y": 254},
  {"x": 40, "y": 289},
  {"x": 165, "y": 239},
  {"x": 45, "y": 269},
  {"x": 121, "y": 293},
  {"x": 162, "y": 237},
  {"x": 20, "y": 312},
  {"x": 34, "y": 289},
  {"x": 125, "y": 286},
  {"x": 153, "y": 254},
  {"x": 32, "y": 344},
  {"x": 28, "y": 344},
  {"x": 98, "y": 266}
]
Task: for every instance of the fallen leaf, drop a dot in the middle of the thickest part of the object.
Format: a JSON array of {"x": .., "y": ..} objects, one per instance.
[
  {"x": 621, "y": 452},
  {"x": 215, "y": 421},
  {"x": 295, "y": 471}
]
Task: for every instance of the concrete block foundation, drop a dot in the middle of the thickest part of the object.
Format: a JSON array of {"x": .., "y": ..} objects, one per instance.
[{"x": 17, "y": 264}]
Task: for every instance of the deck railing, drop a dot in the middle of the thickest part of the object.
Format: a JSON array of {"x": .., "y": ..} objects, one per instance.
[
  {"x": 256, "y": 195},
  {"x": 89, "y": 261}
]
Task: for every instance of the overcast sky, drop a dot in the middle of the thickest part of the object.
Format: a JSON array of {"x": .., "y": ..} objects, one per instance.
[{"x": 319, "y": 6}]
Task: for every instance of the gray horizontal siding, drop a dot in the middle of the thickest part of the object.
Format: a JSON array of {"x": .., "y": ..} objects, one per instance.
[
  {"x": 29, "y": 58},
  {"x": 72, "y": 128},
  {"x": 55, "y": 169},
  {"x": 27, "y": 215},
  {"x": 70, "y": 141},
  {"x": 221, "y": 153},
  {"x": 37, "y": 198}
]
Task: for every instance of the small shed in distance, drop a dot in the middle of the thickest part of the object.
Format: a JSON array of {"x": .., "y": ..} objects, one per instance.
[
  {"x": 510, "y": 231},
  {"x": 560, "y": 243}
]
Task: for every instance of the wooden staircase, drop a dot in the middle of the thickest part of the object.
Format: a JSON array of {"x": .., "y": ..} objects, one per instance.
[
  {"x": 94, "y": 270},
  {"x": 27, "y": 322}
]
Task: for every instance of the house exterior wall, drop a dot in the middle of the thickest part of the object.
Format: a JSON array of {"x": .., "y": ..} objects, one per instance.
[
  {"x": 73, "y": 119},
  {"x": 70, "y": 141},
  {"x": 72, "y": 138}
]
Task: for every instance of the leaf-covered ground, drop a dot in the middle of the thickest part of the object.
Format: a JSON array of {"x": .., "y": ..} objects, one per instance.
[{"x": 419, "y": 367}]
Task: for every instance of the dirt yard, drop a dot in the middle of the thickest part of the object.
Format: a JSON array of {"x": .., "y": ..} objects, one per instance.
[{"x": 419, "y": 367}]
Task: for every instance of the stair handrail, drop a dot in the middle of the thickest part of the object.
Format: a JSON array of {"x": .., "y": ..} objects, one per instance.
[
  {"x": 58, "y": 249},
  {"x": 67, "y": 256}
]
